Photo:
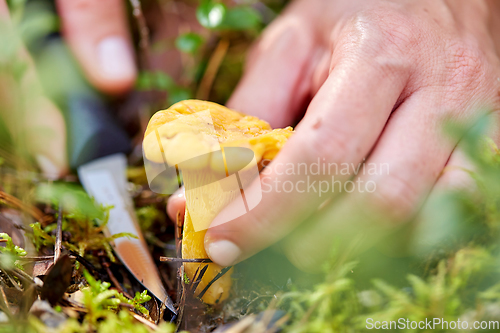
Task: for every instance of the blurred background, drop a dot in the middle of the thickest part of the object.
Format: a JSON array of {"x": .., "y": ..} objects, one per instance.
[{"x": 447, "y": 267}]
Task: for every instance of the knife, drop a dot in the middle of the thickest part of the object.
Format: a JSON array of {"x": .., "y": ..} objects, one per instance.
[
  {"x": 96, "y": 147},
  {"x": 105, "y": 180}
]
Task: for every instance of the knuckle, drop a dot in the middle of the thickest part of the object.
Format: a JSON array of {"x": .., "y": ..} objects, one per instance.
[
  {"x": 465, "y": 66},
  {"x": 382, "y": 29}
]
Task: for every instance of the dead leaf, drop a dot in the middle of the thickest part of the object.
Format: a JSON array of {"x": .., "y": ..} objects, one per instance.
[{"x": 57, "y": 280}]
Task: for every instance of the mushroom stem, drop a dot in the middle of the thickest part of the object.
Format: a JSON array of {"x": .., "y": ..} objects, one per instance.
[{"x": 204, "y": 200}]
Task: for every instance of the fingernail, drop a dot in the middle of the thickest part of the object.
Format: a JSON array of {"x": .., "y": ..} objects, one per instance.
[
  {"x": 177, "y": 194},
  {"x": 115, "y": 58},
  {"x": 175, "y": 203},
  {"x": 49, "y": 169},
  {"x": 223, "y": 252}
]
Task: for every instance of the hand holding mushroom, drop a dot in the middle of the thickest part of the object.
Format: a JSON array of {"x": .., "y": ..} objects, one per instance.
[
  {"x": 384, "y": 75},
  {"x": 219, "y": 152}
]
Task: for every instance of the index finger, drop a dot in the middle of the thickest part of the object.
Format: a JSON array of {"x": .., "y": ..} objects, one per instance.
[{"x": 97, "y": 33}]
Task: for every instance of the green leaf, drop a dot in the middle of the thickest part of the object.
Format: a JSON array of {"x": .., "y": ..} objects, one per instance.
[
  {"x": 163, "y": 81},
  {"x": 40, "y": 237},
  {"x": 178, "y": 94},
  {"x": 241, "y": 18},
  {"x": 154, "y": 81},
  {"x": 145, "y": 81},
  {"x": 10, "y": 253},
  {"x": 39, "y": 20},
  {"x": 211, "y": 14},
  {"x": 10, "y": 247},
  {"x": 189, "y": 42},
  {"x": 72, "y": 197}
]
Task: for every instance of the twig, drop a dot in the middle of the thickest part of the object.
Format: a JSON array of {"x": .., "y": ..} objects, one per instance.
[
  {"x": 58, "y": 245},
  {"x": 170, "y": 259},
  {"x": 5, "y": 304},
  {"x": 197, "y": 278},
  {"x": 146, "y": 322},
  {"x": 16, "y": 203},
  {"x": 143, "y": 31},
  {"x": 12, "y": 281},
  {"x": 178, "y": 235},
  {"x": 212, "y": 69},
  {"x": 87, "y": 265},
  {"x": 39, "y": 258},
  {"x": 22, "y": 274},
  {"x": 113, "y": 279},
  {"x": 181, "y": 297},
  {"x": 218, "y": 276},
  {"x": 181, "y": 294},
  {"x": 126, "y": 305}
]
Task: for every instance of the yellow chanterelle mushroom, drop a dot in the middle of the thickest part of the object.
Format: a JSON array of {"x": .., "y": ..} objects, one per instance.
[{"x": 194, "y": 135}]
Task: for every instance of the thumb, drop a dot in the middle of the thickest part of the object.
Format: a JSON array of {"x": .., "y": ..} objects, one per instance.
[{"x": 96, "y": 31}]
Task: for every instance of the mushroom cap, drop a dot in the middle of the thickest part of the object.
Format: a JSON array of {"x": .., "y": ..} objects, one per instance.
[
  {"x": 198, "y": 137},
  {"x": 194, "y": 128}
]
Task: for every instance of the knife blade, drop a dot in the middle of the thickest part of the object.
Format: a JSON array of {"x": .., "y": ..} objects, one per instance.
[{"x": 105, "y": 180}]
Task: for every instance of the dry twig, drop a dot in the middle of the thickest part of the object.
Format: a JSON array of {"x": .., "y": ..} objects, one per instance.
[
  {"x": 212, "y": 69},
  {"x": 143, "y": 31},
  {"x": 58, "y": 245},
  {"x": 14, "y": 202},
  {"x": 170, "y": 259}
]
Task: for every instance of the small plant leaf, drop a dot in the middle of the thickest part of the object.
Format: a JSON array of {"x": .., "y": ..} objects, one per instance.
[
  {"x": 241, "y": 18},
  {"x": 211, "y": 14},
  {"x": 189, "y": 42}
]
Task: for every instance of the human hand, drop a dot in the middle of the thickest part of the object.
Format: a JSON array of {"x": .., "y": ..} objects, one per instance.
[
  {"x": 34, "y": 123},
  {"x": 97, "y": 33},
  {"x": 384, "y": 75}
]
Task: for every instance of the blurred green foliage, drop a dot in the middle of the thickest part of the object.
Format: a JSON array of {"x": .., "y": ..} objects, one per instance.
[
  {"x": 98, "y": 298},
  {"x": 189, "y": 42},
  {"x": 10, "y": 253},
  {"x": 453, "y": 260},
  {"x": 211, "y": 14},
  {"x": 216, "y": 15},
  {"x": 84, "y": 220},
  {"x": 450, "y": 268},
  {"x": 241, "y": 18}
]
